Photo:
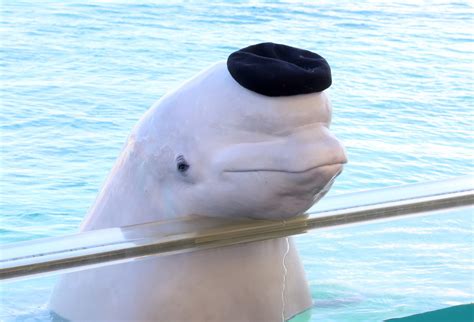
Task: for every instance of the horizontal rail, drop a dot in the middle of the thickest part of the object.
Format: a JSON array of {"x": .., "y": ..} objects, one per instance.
[{"x": 116, "y": 245}]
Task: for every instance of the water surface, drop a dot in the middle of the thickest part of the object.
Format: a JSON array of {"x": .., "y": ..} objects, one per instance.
[{"x": 75, "y": 77}]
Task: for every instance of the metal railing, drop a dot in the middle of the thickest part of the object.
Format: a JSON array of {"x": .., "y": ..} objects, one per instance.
[{"x": 116, "y": 245}]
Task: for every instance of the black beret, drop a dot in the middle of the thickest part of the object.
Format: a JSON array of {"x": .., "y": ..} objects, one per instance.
[{"x": 279, "y": 70}]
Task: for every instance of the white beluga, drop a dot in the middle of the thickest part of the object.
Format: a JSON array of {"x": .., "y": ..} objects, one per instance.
[{"x": 249, "y": 138}]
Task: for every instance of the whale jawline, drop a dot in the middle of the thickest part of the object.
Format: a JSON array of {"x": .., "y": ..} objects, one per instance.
[{"x": 287, "y": 171}]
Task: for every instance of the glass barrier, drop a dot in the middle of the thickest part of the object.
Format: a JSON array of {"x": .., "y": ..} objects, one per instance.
[
  {"x": 115, "y": 245},
  {"x": 370, "y": 272}
]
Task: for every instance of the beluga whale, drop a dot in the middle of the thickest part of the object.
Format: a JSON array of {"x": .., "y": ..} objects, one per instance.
[{"x": 247, "y": 137}]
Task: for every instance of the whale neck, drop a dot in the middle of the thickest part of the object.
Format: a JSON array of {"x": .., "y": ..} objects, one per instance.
[{"x": 126, "y": 197}]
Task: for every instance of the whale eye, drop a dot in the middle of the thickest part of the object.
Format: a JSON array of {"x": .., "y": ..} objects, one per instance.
[{"x": 181, "y": 164}]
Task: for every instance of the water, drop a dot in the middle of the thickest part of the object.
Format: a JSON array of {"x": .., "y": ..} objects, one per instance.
[
  {"x": 75, "y": 77},
  {"x": 285, "y": 271}
]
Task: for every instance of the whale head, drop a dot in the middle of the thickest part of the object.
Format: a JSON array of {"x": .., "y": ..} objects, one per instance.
[
  {"x": 220, "y": 146},
  {"x": 219, "y": 149}
]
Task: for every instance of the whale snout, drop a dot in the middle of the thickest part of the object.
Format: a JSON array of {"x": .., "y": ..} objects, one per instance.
[
  {"x": 281, "y": 177},
  {"x": 305, "y": 152}
]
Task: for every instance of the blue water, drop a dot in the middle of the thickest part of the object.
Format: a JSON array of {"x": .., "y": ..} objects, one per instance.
[{"x": 75, "y": 77}]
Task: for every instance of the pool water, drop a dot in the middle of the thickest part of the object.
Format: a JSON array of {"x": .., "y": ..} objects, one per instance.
[{"x": 75, "y": 77}]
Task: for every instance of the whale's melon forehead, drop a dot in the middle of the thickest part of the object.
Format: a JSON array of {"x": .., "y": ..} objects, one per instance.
[{"x": 214, "y": 98}]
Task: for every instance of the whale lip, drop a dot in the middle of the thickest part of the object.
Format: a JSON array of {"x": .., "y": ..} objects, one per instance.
[{"x": 292, "y": 171}]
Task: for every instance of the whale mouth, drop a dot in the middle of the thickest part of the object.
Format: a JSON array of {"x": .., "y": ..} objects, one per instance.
[
  {"x": 321, "y": 189},
  {"x": 318, "y": 167}
]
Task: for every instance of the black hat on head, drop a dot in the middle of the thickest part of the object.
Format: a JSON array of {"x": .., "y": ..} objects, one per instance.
[{"x": 279, "y": 70}]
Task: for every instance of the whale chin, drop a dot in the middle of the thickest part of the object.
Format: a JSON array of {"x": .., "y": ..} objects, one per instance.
[
  {"x": 335, "y": 170},
  {"x": 291, "y": 193},
  {"x": 320, "y": 181}
]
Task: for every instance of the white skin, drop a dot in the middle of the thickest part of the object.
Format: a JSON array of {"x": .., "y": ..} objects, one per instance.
[{"x": 210, "y": 148}]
